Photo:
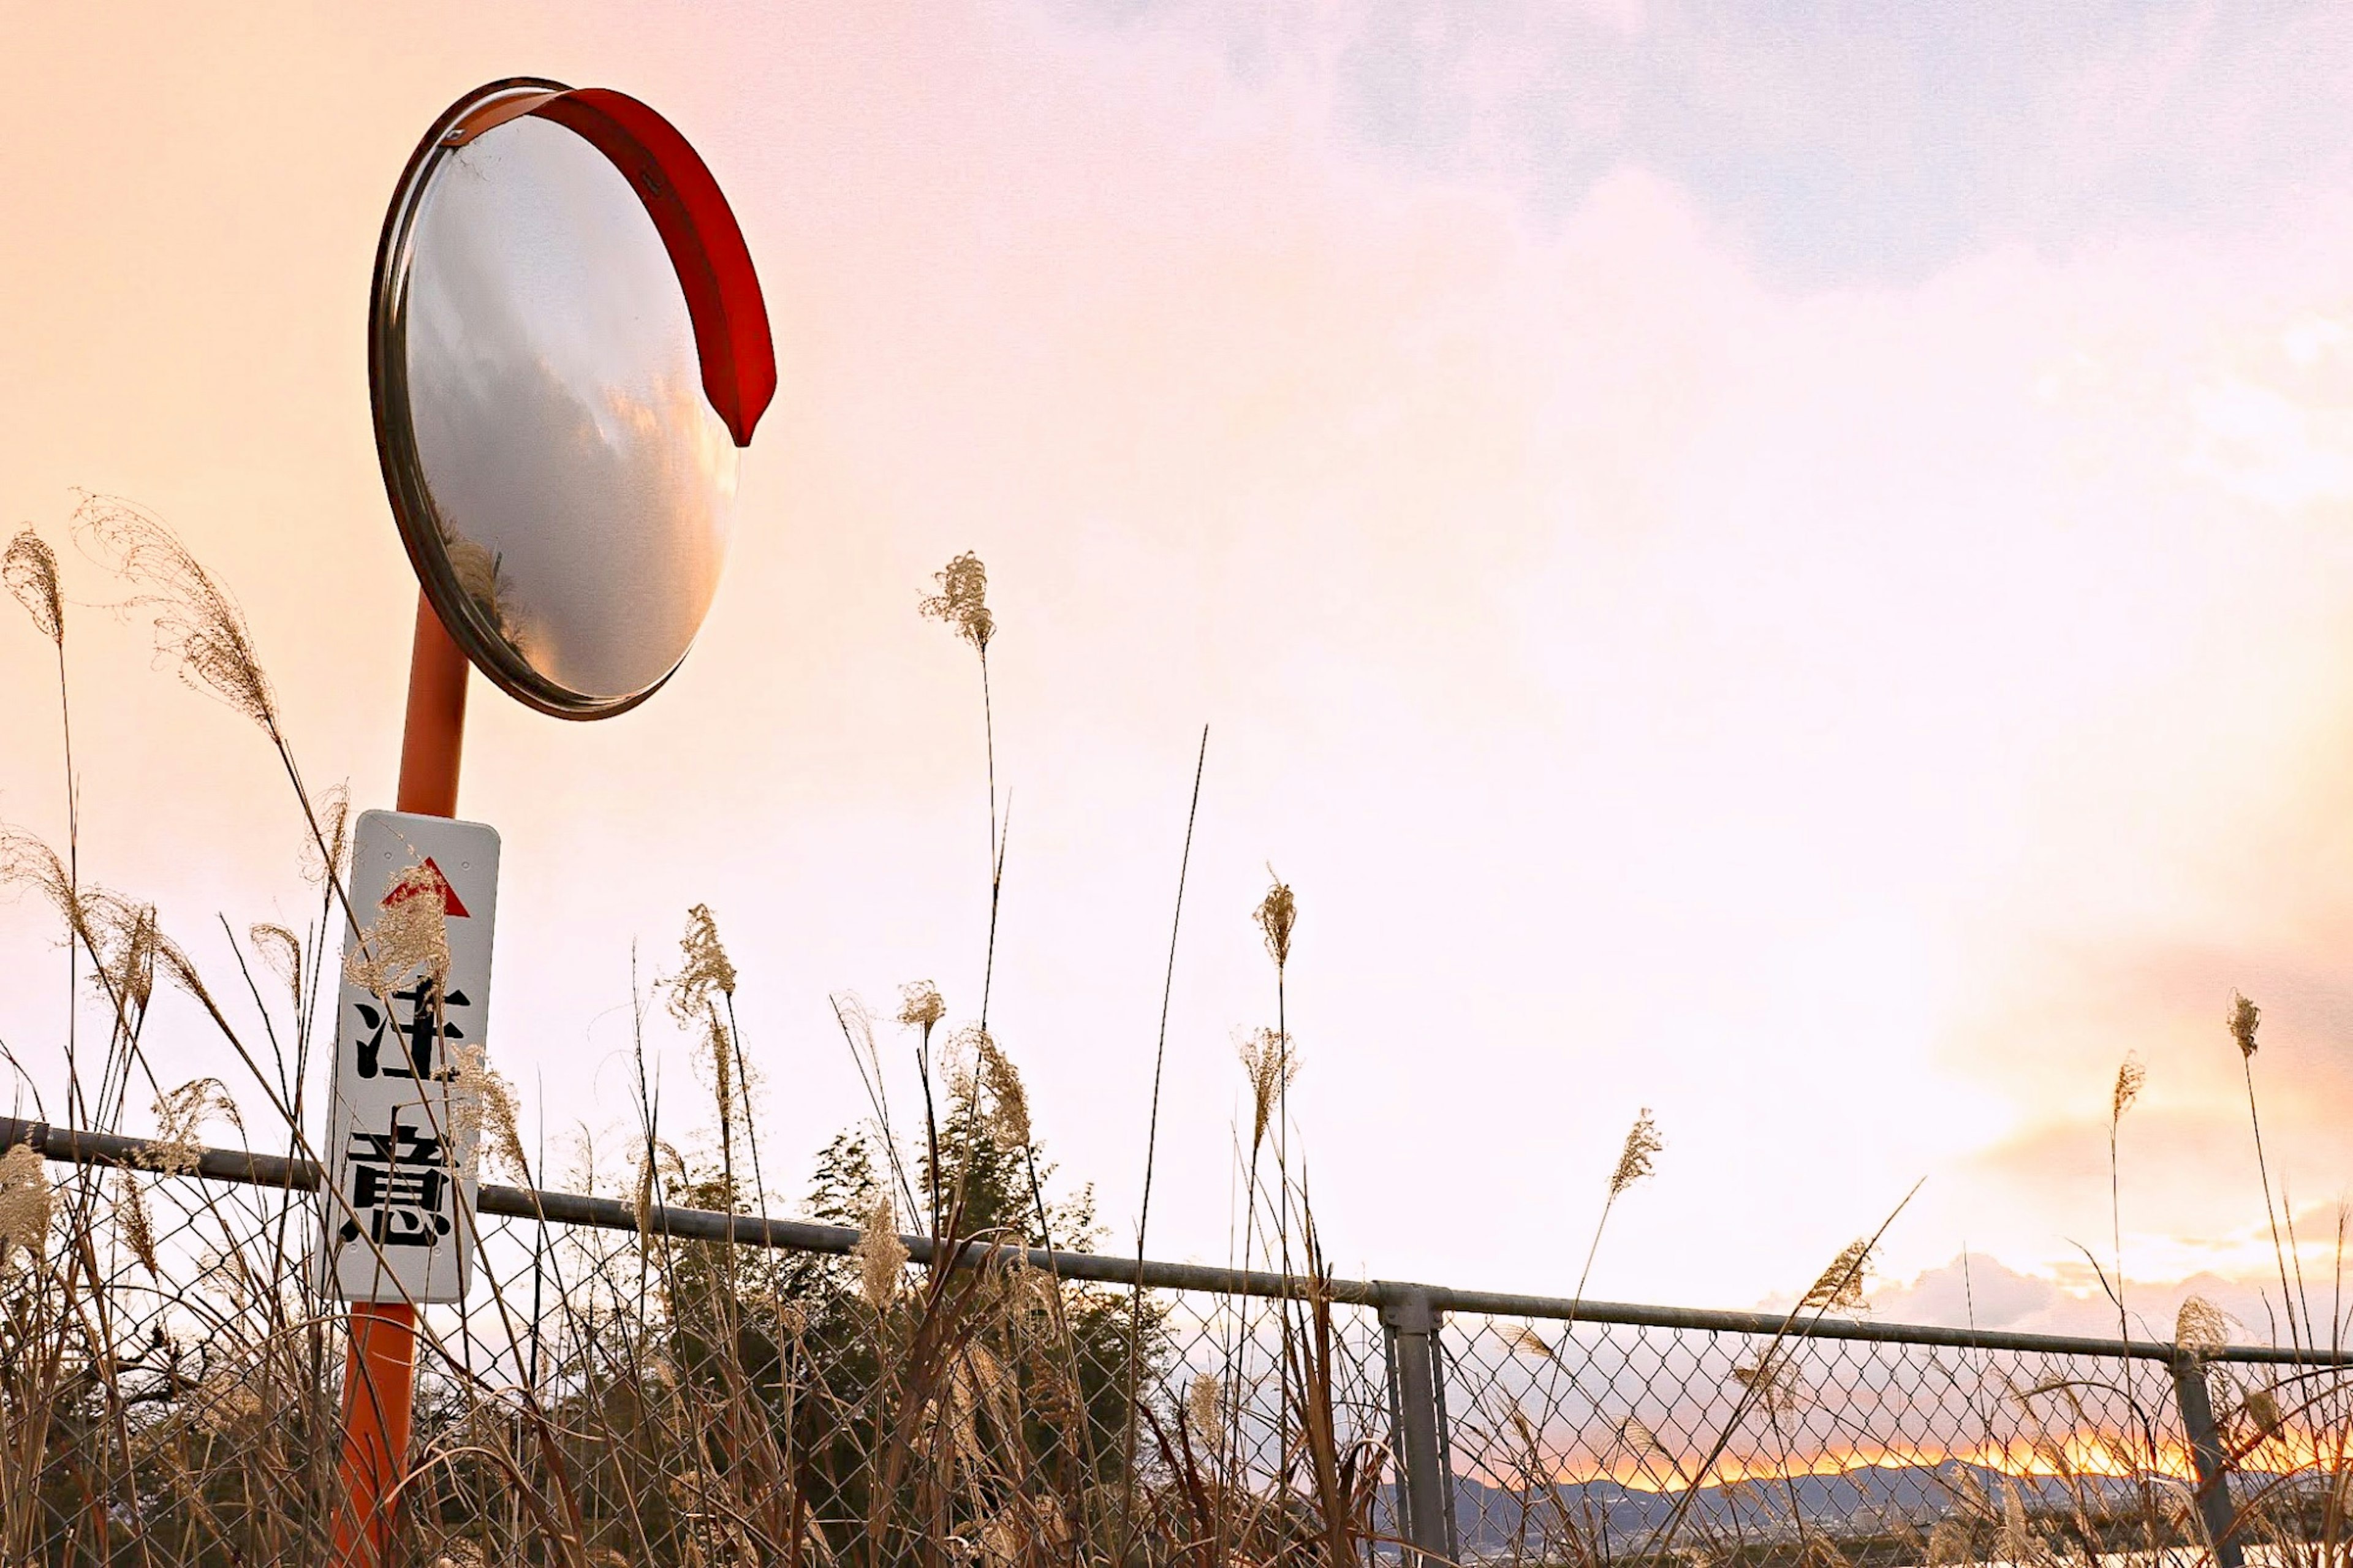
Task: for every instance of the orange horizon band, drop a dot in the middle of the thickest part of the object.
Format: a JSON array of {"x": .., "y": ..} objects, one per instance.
[{"x": 380, "y": 1365}]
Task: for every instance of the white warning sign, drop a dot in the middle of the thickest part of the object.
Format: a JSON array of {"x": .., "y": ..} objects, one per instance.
[{"x": 397, "y": 1210}]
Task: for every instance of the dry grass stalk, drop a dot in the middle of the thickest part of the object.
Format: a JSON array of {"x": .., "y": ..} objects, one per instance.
[
  {"x": 1528, "y": 1341},
  {"x": 920, "y": 1005},
  {"x": 30, "y": 570},
  {"x": 1773, "y": 1385},
  {"x": 1270, "y": 1066},
  {"x": 198, "y": 625},
  {"x": 708, "y": 972},
  {"x": 1277, "y": 915},
  {"x": 410, "y": 936},
  {"x": 25, "y": 1205},
  {"x": 881, "y": 1256},
  {"x": 1205, "y": 1402},
  {"x": 2200, "y": 1327},
  {"x": 1840, "y": 1286},
  {"x": 2244, "y": 1019},
  {"x": 1008, "y": 1101},
  {"x": 482, "y": 577},
  {"x": 2264, "y": 1413},
  {"x": 963, "y": 601},
  {"x": 2017, "y": 1537},
  {"x": 2130, "y": 1076},
  {"x": 327, "y": 857},
  {"x": 27, "y": 862},
  {"x": 1818, "y": 1550},
  {"x": 1636, "y": 1159},
  {"x": 718, "y": 1059},
  {"x": 125, "y": 943},
  {"x": 180, "y": 1115},
  {"x": 1643, "y": 1145},
  {"x": 138, "y": 1229},
  {"x": 280, "y": 952},
  {"x": 642, "y": 1199},
  {"x": 482, "y": 1101}
]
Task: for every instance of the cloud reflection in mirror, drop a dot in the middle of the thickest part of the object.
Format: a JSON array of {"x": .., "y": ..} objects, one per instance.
[{"x": 584, "y": 485}]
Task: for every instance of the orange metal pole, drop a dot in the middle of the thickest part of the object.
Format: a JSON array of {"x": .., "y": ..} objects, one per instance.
[
  {"x": 380, "y": 1372},
  {"x": 379, "y": 1378},
  {"x": 437, "y": 719}
]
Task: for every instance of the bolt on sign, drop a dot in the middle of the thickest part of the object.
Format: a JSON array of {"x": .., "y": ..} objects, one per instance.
[{"x": 397, "y": 1215}]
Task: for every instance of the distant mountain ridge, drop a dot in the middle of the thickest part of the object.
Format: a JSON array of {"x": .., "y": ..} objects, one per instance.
[{"x": 1866, "y": 1501}]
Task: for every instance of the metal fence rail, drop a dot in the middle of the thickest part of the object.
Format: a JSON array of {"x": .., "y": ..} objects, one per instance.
[{"x": 1503, "y": 1427}]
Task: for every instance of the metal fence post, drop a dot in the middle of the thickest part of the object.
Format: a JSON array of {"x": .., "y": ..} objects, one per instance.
[
  {"x": 1425, "y": 1492},
  {"x": 2207, "y": 1458}
]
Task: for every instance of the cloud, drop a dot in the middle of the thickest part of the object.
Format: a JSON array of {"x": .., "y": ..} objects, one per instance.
[
  {"x": 1844, "y": 144},
  {"x": 1981, "y": 1291}
]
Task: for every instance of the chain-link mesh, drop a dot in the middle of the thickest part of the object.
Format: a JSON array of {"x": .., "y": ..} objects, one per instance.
[
  {"x": 169, "y": 1387},
  {"x": 172, "y": 1392},
  {"x": 1608, "y": 1441}
]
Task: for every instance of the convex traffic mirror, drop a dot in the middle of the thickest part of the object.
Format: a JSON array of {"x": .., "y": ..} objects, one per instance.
[{"x": 567, "y": 349}]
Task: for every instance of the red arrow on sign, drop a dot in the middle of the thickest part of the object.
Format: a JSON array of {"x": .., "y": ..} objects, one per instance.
[{"x": 409, "y": 888}]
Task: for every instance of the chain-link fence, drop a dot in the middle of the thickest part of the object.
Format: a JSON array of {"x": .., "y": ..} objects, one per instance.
[{"x": 633, "y": 1382}]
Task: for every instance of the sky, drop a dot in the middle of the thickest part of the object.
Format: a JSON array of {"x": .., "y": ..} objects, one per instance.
[{"x": 1791, "y": 569}]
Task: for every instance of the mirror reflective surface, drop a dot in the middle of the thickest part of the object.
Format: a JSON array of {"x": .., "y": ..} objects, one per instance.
[{"x": 575, "y": 478}]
